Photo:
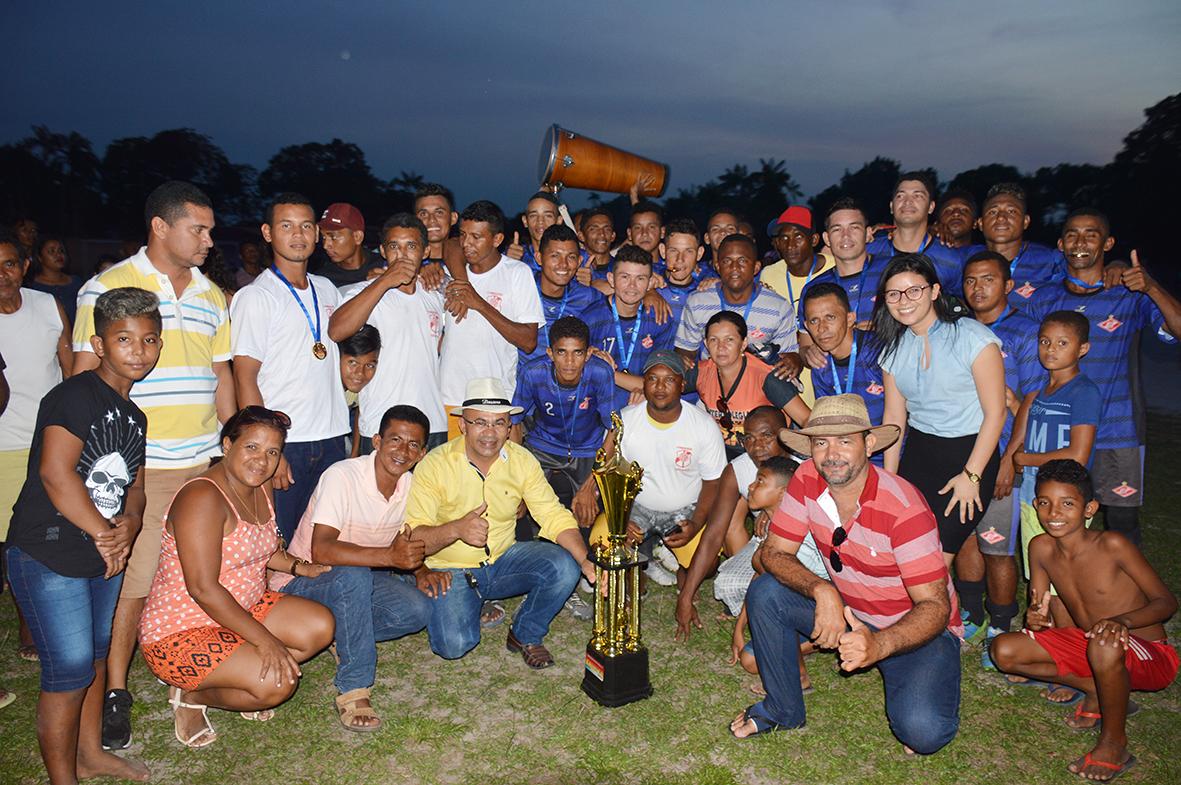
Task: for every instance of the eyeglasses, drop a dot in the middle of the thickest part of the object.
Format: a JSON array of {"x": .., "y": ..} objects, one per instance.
[
  {"x": 727, "y": 419},
  {"x": 486, "y": 425},
  {"x": 839, "y": 535},
  {"x": 911, "y": 292}
]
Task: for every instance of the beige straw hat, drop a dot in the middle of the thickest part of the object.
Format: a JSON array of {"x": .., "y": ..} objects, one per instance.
[{"x": 838, "y": 415}]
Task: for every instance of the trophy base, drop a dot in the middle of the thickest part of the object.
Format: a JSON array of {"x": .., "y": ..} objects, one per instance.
[{"x": 616, "y": 681}]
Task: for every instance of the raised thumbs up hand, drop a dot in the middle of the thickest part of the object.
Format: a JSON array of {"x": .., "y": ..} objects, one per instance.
[
  {"x": 858, "y": 647},
  {"x": 1136, "y": 277},
  {"x": 516, "y": 250}
]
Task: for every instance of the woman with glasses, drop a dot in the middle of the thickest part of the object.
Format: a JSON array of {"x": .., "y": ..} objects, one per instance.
[
  {"x": 210, "y": 628},
  {"x": 945, "y": 387}
]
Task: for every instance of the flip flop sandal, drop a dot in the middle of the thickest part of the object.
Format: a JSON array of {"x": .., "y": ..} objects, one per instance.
[
  {"x": 491, "y": 614},
  {"x": 1045, "y": 685},
  {"x": 1133, "y": 709},
  {"x": 265, "y": 715},
  {"x": 348, "y": 710},
  {"x": 763, "y": 723},
  {"x": 28, "y": 653},
  {"x": 1075, "y": 695},
  {"x": 204, "y": 736},
  {"x": 1116, "y": 768},
  {"x": 6, "y": 697}
]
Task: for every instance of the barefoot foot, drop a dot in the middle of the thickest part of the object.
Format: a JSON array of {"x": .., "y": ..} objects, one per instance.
[{"x": 105, "y": 764}]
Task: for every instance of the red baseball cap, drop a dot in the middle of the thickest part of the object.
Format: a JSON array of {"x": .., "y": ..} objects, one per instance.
[
  {"x": 342, "y": 216},
  {"x": 800, "y": 216}
]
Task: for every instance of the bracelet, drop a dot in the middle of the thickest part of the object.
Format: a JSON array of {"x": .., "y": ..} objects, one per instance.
[{"x": 295, "y": 563}]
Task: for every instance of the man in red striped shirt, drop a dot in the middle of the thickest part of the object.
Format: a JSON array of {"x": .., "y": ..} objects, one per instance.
[{"x": 889, "y": 603}]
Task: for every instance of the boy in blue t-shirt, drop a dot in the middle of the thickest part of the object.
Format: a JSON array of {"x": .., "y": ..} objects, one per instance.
[
  {"x": 567, "y": 397},
  {"x": 683, "y": 271},
  {"x": 621, "y": 327},
  {"x": 561, "y": 294},
  {"x": 1116, "y": 315},
  {"x": 1061, "y": 420}
]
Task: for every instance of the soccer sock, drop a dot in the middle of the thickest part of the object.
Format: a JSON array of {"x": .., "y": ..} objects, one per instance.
[
  {"x": 1001, "y": 616},
  {"x": 972, "y": 599},
  {"x": 1125, "y": 520}
]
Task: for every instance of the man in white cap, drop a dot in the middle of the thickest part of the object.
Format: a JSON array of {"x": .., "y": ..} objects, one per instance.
[
  {"x": 463, "y": 505},
  {"x": 890, "y": 603}
]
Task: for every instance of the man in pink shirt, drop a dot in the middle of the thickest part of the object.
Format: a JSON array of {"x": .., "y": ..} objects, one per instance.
[
  {"x": 890, "y": 602},
  {"x": 377, "y": 589}
]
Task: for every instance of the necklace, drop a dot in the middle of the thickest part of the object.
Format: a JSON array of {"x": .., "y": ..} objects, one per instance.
[{"x": 253, "y": 499}]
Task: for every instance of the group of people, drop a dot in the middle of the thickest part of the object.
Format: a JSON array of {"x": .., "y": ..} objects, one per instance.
[{"x": 397, "y": 443}]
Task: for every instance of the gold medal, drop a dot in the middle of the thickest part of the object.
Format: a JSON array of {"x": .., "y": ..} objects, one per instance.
[{"x": 319, "y": 351}]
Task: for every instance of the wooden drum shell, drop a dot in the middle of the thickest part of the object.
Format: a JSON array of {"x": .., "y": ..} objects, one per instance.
[{"x": 571, "y": 160}]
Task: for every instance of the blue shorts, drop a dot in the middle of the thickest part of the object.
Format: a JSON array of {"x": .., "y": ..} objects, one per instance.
[{"x": 70, "y": 619}]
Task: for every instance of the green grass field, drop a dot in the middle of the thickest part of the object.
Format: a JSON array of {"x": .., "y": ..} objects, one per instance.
[{"x": 488, "y": 719}]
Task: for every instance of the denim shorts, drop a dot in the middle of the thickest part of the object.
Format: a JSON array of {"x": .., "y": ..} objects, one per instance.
[{"x": 70, "y": 619}]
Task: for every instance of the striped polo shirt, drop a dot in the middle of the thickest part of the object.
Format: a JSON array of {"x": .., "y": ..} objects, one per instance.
[
  {"x": 178, "y": 395},
  {"x": 770, "y": 321},
  {"x": 892, "y": 542}
]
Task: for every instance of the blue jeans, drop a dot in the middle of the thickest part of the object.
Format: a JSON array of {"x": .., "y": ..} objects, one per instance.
[
  {"x": 308, "y": 460},
  {"x": 369, "y": 606},
  {"x": 70, "y": 619},
  {"x": 922, "y": 686},
  {"x": 545, "y": 573}
]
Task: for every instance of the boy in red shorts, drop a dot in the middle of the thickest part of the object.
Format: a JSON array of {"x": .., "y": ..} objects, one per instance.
[{"x": 1114, "y": 639}]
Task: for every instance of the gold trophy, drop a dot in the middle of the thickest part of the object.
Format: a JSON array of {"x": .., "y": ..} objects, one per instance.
[{"x": 616, "y": 660}]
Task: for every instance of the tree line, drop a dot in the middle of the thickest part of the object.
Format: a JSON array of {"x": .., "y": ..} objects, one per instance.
[{"x": 59, "y": 180}]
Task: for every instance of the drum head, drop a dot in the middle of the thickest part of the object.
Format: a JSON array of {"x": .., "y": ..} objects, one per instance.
[{"x": 549, "y": 154}]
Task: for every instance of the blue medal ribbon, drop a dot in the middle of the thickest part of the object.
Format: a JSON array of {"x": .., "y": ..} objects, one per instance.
[
  {"x": 568, "y": 425},
  {"x": 1091, "y": 287},
  {"x": 791, "y": 295},
  {"x": 626, "y": 359},
  {"x": 832, "y": 366},
  {"x": 754, "y": 295},
  {"x": 315, "y": 329}
]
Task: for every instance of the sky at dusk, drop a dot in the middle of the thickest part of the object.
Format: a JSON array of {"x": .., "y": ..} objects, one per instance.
[{"x": 461, "y": 92}]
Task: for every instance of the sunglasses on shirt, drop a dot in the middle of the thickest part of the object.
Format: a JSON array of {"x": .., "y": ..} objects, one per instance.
[{"x": 839, "y": 535}]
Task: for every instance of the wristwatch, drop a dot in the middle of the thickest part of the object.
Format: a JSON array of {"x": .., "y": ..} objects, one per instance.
[{"x": 972, "y": 475}]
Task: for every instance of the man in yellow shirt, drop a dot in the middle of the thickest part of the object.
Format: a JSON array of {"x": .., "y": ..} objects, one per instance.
[{"x": 463, "y": 505}]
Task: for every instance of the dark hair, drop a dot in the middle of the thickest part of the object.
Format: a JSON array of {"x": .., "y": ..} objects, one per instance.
[
  {"x": 404, "y": 221},
  {"x": 434, "y": 189},
  {"x": 633, "y": 254},
  {"x": 484, "y": 211},
  {"x": 363, "y": 341},
  {"x": 843, "y": 203},
  {"x": 9, "y": 238},
  {"x": 825, "y": 289},
  {"x": 964, "y": 195},
  {"x": 682, "y": 226},
  {"x": 558, "y": 233},
  {"x": 921, "y": 176},
  {"x": 546, "y": 195},
  {"x": 989, "y": 256},
  {"x": 569, "y": 327},
  {"x": 1072, "y": 320},
  {"x": 1067, "y": 472},
  {"x": 167, "y": 201},
  {"x": 255, "y": 415},
  {"x": 1089, "y": 212},
  {"x": 125, "y": 302},
  {"x": 725, "y": 210},
  {"x": 780, "y": 466},
  {"x": 887, "y": 330},
  {"x": 600, "y": 210},
  {"x": 644, "y": 206},
  {"x": 287, "y": 197},
  {"x": 727, "y": 316},
  {"x": 405, "y": 413},
  {"x": 1006, "y": 189},
  {"x": 745, "y": 239},
  {"x": 774, "y": 412},
  {"x": 42, "y": 241}
]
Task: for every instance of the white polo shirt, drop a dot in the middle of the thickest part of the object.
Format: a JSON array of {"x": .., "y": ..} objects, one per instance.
[{"x": 676, "y": 458}]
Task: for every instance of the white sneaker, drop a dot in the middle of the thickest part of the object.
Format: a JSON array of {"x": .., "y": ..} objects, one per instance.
[
  {"x": 585, "y": 587},
  {"x": 658, "y": 574},
  {"x": 579, "y": 608},
  {"x": 666, "y": 558}
]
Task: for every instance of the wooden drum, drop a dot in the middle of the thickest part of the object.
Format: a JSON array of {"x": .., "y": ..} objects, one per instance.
[{"x": 570, "y": 160}]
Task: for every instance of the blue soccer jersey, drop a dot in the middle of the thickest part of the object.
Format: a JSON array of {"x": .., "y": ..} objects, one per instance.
[
  {"x": 574, "y": 302},
  {"x": 628, "y": 340},
  {"x": 570, "y": 421},
  {"x": 949, "y": 262},
  {"x": 866, "y": 380},
  {"x": 1033, "y": 267},
  {"x": 677, "y": 295},
  {"x": 861, "y": 287},
  {"x": 1116, "y": 316},
  {"x": 1023, "y": 369}
]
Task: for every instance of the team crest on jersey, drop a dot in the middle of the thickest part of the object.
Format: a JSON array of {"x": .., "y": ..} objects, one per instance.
[
  {"x": 875, "y": 389},
  {"x": 647, "y": 342},
  {"x": 495, "y": 299},
  {"x": 329, "y": 310},
  {"x": 992, "y": 536},
  {"x": 1123, "y": 490},
  {"x": 1026, "y": 290},
  {"x": 585, "y": 403},
  {"x": 434, "y": 323},
  {"x": 1110, "y": 324},
  {"x": 683, "y": 457}
]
